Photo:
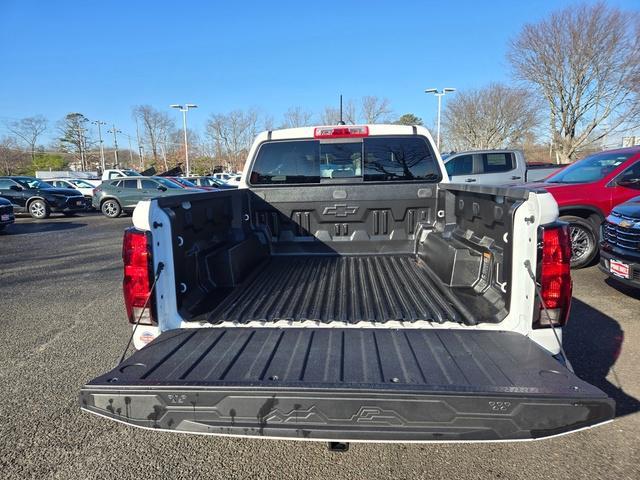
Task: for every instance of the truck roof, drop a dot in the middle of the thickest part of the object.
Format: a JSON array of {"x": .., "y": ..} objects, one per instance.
[{"x": 374, "y": 129}]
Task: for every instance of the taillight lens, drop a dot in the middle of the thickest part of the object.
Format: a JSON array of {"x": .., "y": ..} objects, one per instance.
[
  {"x": 136, "y": 285},
  {"x": 554, "y": 275},
  {"x": 342, "y": 131}
]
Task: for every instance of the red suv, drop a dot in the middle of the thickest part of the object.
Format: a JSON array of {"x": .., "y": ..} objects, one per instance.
[{"x": 587, "y": 190}]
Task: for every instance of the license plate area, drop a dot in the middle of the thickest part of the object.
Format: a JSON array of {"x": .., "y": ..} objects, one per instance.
[
  {"x": 618, "y": 268},
  {"x": 5, "y": 217}
]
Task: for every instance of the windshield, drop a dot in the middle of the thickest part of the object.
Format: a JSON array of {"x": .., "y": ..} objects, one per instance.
[
  {"x": 185, "y": 182},
  {"x": 167, "y": 183},
  {"x": 28, "y": 182},
  {"x": 81, "y": 183},
  {"x": 590, "y": 169}
]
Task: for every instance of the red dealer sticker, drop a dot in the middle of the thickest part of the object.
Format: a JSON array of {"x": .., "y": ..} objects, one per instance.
[{"x": 619, "y": 269}]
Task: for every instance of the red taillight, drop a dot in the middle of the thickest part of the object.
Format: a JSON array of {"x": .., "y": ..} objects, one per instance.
[
  {"x": 342, "y": 131},
  {"x": 137, "y": 281},
  {"x": 554, "y": 275}
]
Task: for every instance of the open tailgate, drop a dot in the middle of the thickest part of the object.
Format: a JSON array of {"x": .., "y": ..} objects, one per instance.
[{"x": 347, "y": 385}]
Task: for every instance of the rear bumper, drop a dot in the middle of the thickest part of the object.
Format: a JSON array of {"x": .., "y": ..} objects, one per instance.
[
  {"x": 75, "y": 205},
  {"x": 334, "y": 415},
  {"x": 346, "y": 385}
]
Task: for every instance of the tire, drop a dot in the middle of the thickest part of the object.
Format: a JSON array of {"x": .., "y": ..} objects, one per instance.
[
  {"x": 111, "y": 208},
  {"x": 584, "y": 240},
  {"x": 39, "y": 209}
]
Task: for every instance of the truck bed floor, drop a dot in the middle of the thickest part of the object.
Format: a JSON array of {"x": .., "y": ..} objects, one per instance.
[{"x": 348, "y": 289}]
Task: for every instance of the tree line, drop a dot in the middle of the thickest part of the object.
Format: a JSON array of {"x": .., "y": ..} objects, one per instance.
[{"x": 158, "y": 141}]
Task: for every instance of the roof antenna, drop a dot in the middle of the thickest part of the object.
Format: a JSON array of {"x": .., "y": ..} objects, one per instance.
[{"x": 341, "y": 122}]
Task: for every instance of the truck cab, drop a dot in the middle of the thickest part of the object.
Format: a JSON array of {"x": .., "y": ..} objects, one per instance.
[
  {"x": 112, "y": 173},
  {"x": 348, "y": 292},
  {"x": 495, "y": 167}
]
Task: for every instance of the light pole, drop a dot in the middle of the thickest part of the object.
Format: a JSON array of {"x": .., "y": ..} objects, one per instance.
[
  {"x": 115, "y": 132},
  {"x": 439, "y": 94},
  {"x": 130, "y": 148},
  {"x": 99, "y": 124},
  {"x": 184, "y": 109}
]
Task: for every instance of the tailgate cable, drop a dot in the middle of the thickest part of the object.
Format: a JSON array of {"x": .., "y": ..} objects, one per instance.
[
  {"x": 146, "y": 302},
  {"x": 567, "y": 364}
]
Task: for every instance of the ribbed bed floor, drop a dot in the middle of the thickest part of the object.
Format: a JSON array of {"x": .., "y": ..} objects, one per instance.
[{"x": 331, "y": 288}]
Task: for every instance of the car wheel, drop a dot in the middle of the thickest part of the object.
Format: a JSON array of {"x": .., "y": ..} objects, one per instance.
[
  {"x": 584, "y": 241},
  {"x": 111, "y": 208},
  {"x": 39, "y": 209}
]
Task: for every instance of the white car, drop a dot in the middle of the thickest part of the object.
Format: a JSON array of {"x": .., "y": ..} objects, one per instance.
[
  {"x": 222, "y": 176},
  {"x": 83, "y": 186},
  {"x": 234, "y": 180}
]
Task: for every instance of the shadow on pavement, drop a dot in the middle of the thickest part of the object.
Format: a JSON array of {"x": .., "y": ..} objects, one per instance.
[
  {"x": 593, "y": 342},
  {"x": 20, "y": 228},
  {"x": 624, "y": 289}
]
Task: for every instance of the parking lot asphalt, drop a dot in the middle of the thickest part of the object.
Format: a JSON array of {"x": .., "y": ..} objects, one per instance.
[{"x": 62, "y": 322}]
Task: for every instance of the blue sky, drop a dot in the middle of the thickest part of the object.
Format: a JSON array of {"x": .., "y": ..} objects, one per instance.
[{"x": 102, "y": 57}]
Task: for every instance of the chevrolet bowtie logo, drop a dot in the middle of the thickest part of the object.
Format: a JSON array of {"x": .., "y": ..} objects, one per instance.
[
  {"x": 340, "y": 210},
  {"x": 626, "y": 224}
]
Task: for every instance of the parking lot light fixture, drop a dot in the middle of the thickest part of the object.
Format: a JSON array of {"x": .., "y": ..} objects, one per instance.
[
  {"x": 184, "y": 109},
  {"x": 439, "y": 94}
]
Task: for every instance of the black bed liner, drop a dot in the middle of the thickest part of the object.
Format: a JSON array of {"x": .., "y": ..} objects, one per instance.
[
  {"x": 347, "y": 384},
  {"x": 347, "y": 289}
]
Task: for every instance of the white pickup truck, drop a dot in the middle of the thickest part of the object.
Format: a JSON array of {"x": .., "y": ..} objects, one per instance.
[
  {"x": 349, "y": 293},
  {"x": 496, "y": 167},
  {"x": 112, "y": 173}
]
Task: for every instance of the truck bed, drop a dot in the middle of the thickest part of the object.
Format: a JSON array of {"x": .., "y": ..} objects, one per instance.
[
  {"x": 348, "y": 289},
  {"x": 347, "y": 384}
]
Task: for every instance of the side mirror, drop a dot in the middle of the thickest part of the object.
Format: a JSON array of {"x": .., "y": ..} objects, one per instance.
[
  {"x": 162, "y": 188},
  {"x": 630, "y": 183},
  {"x": 17, "y": 188}
]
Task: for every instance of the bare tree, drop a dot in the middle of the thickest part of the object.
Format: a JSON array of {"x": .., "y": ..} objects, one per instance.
[
  {"x": 331, "y": 115},
  {"x": 375, "y": 110},
  {"x": 495, "y": 116},
  {"x": 28, "y": 130},
  {"x": 297, "y": 117},
  {"x": 12, "y": 158},
  {"x": 156, "y": 125},
  {"x": 231, "y": 135},
  {"x": 585, "y": 62}
]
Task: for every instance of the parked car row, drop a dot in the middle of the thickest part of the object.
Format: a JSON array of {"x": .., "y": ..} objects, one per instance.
[{"x": 119, "y": 192}]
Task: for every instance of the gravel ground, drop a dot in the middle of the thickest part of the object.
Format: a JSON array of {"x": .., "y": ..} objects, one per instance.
[{"x": 62, "y": 323}]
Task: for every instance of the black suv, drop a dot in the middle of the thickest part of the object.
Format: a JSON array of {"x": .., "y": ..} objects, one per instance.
[
  {"x": 39, "y": 199},
  {"x": 6, "y": 213},
  {"x": 620, "y": 247}
]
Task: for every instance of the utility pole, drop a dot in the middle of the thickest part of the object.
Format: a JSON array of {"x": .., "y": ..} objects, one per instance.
[
  {"x": 140, "y": 149},
  {"x": 81, "y": 147},
  {"x": 439, "y": 94},
  {"x": 184, "y": 109},
  {"x": 130, "y": 149},
  {"x": 115, "y": 132},
  {"x": 99, "y": 124}
]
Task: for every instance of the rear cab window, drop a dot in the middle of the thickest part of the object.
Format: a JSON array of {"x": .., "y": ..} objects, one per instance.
[
  {"x": 370, "y": 159},
  {"x": 497, "y": 162}
]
